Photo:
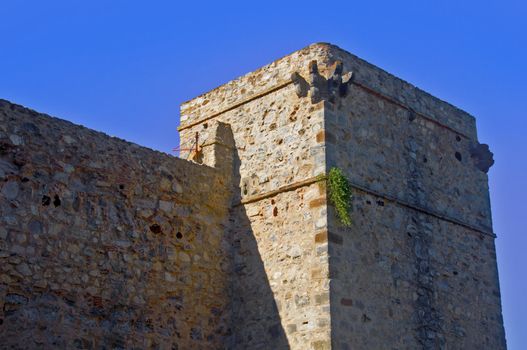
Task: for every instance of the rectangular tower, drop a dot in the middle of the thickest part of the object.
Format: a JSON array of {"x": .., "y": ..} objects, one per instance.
[{"x": 417, "y": 266}]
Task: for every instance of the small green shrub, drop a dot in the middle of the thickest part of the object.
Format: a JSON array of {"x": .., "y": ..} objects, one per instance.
[{"x": 340, "y": 194}]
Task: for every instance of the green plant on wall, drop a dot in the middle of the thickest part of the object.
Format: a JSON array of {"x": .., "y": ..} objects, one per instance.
[{"x": 340, "y": 194}]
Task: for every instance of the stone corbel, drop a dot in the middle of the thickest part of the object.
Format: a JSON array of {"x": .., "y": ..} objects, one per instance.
[
  {"x": 320, "y": 88},
  {"x": 482, "y": 157},
  {"x": 301, "y": 85}
]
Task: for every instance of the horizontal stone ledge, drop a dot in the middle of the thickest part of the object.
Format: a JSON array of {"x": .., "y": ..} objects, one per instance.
[
  {"x": 423, "y": 210},
  {"x": 286, "y": 188},
  {"x": 319, "y": 178}
]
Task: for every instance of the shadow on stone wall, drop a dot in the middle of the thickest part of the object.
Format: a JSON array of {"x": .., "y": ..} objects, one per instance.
[
  {"x": 105, "y": 244},
  {"x": 256, "y": 320}
]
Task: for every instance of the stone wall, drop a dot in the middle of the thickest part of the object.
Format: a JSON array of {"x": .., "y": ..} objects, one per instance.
[
  {"x": 417, "y": 268},
  {"x": 105, "y": 244},
  {"x": 411, "y": 280},
  {"x": 281, "y": 290},
  {"x": 280, "y": 283},
  {"x": 422, "y": 158}
]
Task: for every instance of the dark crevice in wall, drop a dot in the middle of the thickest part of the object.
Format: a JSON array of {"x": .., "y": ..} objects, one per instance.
[
  {"x": 56, "y": 201},
  {"x": 46, "y": 200},
  {"x": 155, "y": 228},
  {"x": 427, "y": 318},
  {"x": 429, "y": 329}
]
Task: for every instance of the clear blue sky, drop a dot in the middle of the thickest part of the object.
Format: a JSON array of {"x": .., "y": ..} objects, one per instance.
[{"x": 124, "y": 67}]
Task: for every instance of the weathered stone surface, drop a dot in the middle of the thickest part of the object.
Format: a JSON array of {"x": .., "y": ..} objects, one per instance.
[
  {"x": 81, "y": 267},
  {"x": 105, "y": 244},
  {"x": 389, "y": 138},
  {"x": 10, "y": 190}
]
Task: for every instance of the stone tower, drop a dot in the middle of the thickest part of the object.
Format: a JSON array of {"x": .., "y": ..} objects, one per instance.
[
  {"x": 106, "y": 244},
  {"x": 417, "y": 267}
]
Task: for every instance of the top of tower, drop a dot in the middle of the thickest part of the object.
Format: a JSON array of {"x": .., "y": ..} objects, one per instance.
[{"x": 278, "y": 74}]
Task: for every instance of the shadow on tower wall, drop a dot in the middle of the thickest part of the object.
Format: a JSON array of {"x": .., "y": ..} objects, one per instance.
[{"x": 256, "y": 320}]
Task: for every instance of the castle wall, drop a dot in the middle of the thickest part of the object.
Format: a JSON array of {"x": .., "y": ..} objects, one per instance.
[
  {"x": 416, "y": 157},
  {"x": 280, "y": 282},
  {"x": 281, "y": 243},
  {"x": 105, "y": 244},
  {"x": 413, "y": 281},
  {"x": 417, "y": 268}
]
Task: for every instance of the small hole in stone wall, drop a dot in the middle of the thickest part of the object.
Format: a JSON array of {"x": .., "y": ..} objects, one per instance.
[
  {"x": 121, "y": 187},
  {"x": 455, "y": 273},
  {"x": 272, "y": 201},
  {"x": 425, "y": 160},
  {"x": 380, "y": 203},
  {"x": 155, "y": 228},
  {"x": 275, "y": 211},
  {"x": 1, "y": 321},
  {"x": 46, "y": 200},
  {"x": 458, "y": 138},
  {"x": 368, "y": 202},
  {"x": 292, "y": 116},
  {"x": 365, "y": 318},
  {"x": 409, "y": 234},
  {"x": 205, "y": 125},
  {"x": 25, "y": 179},
  {"x": 305, "y": 322},
  {"x": 458, "y": 156},
  {"x": 179, "y": 235},
  {"x": 56, "y": 201}
]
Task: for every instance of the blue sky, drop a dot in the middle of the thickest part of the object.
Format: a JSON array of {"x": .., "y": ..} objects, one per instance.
[{"x": 124, "y": 67}]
